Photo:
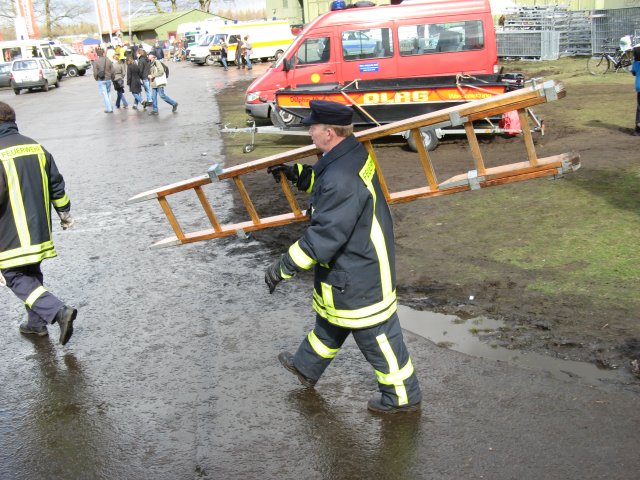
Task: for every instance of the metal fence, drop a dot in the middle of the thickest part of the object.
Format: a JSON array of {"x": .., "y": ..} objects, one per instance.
[
  {"x": 531, "y": 44},
  {"x": 608, "y": 26}
]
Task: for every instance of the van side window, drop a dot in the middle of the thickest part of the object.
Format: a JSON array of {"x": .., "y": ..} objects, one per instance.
[
  {"x": 441, "y": 37},
  {"x": 314, "y": 50},
  {"x": 370, "y": 43},
  {"x": 11, "y": 53}
]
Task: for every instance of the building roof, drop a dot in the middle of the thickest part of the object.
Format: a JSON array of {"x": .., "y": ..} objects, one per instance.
[{"x": 153, "y": 22}]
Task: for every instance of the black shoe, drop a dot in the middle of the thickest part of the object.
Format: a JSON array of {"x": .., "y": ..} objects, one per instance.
[
  {"x": 376, "y": 405},
  {"x": 175, "y": 108},
  {"x": 27, "y": 329},
  {"x": 65, "y": 317},
  {"x": 286, "y": 359}
]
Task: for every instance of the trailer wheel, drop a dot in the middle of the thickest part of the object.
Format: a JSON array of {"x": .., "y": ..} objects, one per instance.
[
  {"x": 248, "y": 148},
  {"x": 429, "y": 138}
]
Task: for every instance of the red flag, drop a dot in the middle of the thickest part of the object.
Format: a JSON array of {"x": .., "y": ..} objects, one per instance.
[{"x": 25, "y": 10}]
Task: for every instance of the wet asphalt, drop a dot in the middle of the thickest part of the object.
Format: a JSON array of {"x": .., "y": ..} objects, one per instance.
[{"x": 172, "y": 370}]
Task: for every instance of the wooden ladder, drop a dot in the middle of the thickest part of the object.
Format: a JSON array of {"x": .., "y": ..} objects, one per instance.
[{"x": 464, "y": 114}]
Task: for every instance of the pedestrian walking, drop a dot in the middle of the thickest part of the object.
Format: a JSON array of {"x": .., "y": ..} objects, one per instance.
[
  {"x": 158, "y": 77},
  {"x": 239, "y": 51},
  {"x": 134, "y": 81},
  {"x": 29, "y": 184},
  {"x": 635, "y": 70},
  {"x": 248, "y": 51},
  {"x": 119, "y": 78},
  {"x": 145, "y": 67},
  {"x": 159, "y": 52},
  {"x": 224, "y": 51},
  {"x": 103, "y": 74},
  {"x": 350, "y": 245}
]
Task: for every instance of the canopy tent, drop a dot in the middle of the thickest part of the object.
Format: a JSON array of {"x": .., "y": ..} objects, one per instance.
[{"x": 91, "y": 41}]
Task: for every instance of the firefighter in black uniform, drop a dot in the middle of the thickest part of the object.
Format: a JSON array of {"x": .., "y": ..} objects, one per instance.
[
  {"x": 29, "y": 184},
  {"x": 350, "y": 245}
]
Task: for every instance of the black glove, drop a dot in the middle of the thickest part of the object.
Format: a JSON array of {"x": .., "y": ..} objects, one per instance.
[
  {"x": 290, "y": 171},
  {"x": 272, "y": 275}
]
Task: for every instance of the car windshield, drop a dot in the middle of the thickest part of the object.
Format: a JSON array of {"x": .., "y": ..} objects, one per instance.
[{"x": 25, "y": 65}]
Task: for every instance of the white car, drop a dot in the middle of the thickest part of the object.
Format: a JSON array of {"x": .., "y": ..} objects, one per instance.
[{"x": 33, "y": 73}]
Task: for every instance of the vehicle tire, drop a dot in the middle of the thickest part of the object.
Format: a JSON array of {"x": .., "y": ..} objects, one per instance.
[
  {"x": 72, "y": 71},
  {"x": 81, "y": 72},
  {"x": 278, "y": 54},
  {"x": 210, "y": 60},
  {"x": 283, "y": 119},
  {"x": 429, "y": 138},
  {"x": 45, "y": 87},
  {"x": 57, "y": 84},
  {"x": 598, "y": 65},
  {"x": 16, "y": 91}
]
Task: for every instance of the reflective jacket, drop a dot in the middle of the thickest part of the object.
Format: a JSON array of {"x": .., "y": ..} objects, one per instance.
[
  {"x": 350, "y": 240},
  {"x": 29, "y": 184}
]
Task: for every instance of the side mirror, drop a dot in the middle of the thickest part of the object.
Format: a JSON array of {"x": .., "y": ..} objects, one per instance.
[{"x": 286, "y": 66}]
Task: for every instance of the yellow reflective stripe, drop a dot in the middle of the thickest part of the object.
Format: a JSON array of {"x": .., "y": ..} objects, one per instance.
[
  {"x": 320, "y": 348},
  {"x": 327, "y": 296},
  {"x": 45, "y": 187},
  {"x": 358, "y": 312},
  {"x": 21, "y": 150},
  {"x": 27, "y": 259},
  {"x": 377, "y": 236},
  {"x": 60, "y": 202},
  {"x": 300, "y": 258},
  {"x": 34, "y": 296},
  {"x": 362, "y": 322},
  {"x": 31, "y": 249},
  {"x": 284, "y": 275},
  {"x": 396, "y": 376},
  {"x": 17, "y": 206}
]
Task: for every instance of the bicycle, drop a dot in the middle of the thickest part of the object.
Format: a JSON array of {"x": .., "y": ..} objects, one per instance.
[{"x": 607, "y": 60}]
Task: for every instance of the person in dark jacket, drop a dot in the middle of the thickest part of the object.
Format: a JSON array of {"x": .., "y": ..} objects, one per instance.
[
  {"x": 350, "y": 245},
  {"x": 144, "y": 65},
  {"x": 30, "y": 184},
  {"x": 159, "y": 51},
  {"x": 134, "y": 81}
]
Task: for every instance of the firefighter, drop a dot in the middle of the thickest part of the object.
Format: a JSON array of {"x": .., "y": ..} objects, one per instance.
[
  {"x": 350, "y": 245},
  {"x": 29, "y": 184}
]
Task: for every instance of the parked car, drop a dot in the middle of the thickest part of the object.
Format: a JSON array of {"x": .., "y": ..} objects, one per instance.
[
  {"x": 32, "y": 73},
  {"x": 5, "y": 74}
]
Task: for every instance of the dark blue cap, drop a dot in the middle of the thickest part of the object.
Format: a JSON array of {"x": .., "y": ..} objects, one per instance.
[{"x": 328, "y": 113}]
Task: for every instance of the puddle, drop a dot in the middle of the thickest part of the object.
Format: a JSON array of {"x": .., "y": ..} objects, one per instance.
[{"x": 456, "y": 334}]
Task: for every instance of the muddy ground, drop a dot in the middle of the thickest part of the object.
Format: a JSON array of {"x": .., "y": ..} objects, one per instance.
[{"x": 453, "y": 252}]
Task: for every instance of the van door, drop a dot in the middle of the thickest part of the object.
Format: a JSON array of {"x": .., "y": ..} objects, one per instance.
[
  {"x": 367, "y": 52},
  {"x": 314, "y": 61}
]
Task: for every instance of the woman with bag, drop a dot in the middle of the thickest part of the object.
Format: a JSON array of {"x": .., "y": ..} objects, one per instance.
[
  {"x": 134, "y": 80},
  {"x": 119, "y": 74},
  {"x": 158, "y": 78}
]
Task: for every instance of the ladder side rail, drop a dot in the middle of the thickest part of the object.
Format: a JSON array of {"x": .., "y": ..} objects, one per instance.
[
  {"x": 165, "y": 190},
  {"x": 383, "y": 183}
]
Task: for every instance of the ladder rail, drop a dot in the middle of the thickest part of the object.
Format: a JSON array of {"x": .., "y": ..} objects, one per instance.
[{"x": 459, "y": 115}]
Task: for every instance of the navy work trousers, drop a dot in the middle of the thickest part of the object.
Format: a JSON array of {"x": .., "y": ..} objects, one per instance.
[
  {"x": 26, "y": 284},
  {"x": 382, "y": 345}
]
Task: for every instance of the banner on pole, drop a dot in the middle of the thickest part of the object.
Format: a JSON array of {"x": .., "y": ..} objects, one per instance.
[
  {"x": 109, "y": 17},
  {"x": 25, "y": 10}
]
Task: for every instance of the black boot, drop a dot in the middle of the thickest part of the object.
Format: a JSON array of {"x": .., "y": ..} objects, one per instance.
[
  {"x": 27, "y": 329},
  {"x": 286, "y": 359},
  {"x": 376, "y": 405},
  {"x": 65, "y": 317}
]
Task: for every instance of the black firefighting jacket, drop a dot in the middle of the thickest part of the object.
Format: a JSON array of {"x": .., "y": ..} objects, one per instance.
[
  {"x": 29, "y": 184},
  {"x": 349, "y": 242}
]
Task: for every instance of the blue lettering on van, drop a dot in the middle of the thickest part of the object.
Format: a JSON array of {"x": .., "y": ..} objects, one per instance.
[{"x": 370, "y": 67}]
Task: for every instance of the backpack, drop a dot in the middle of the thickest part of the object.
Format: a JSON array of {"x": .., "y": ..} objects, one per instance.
[{"x": 166, "y": 69}]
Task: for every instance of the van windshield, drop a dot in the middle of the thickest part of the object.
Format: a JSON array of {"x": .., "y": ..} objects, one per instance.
[
  {"x": 48, "y": 53},
  {"x": 206, "y": 40}
]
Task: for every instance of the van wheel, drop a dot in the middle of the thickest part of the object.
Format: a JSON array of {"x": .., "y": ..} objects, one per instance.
[
  {"x": 81, "y": 72},
  {"x": 45, "y": 87},
  {"x": 57, "y": 84},
  {"x": 429, "y": 138},
  {"x": 72, "y": 71},
  {"x": 278, "y": 54},
  {"x": 210, "y": 60}
]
